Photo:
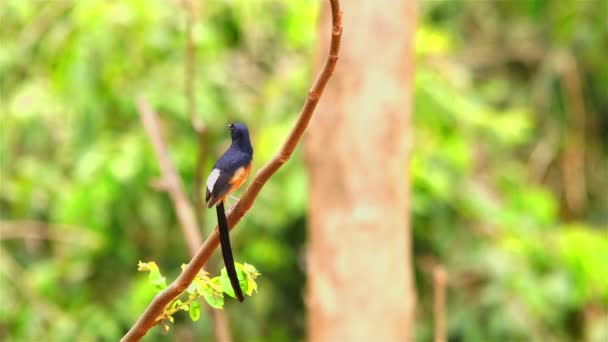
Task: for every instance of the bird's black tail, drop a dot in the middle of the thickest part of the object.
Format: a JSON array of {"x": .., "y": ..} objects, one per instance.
[{"x": 222, "y": 222}]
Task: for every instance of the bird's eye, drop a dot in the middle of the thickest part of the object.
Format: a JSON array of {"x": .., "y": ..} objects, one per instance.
[{"x": 231, "y": 127}]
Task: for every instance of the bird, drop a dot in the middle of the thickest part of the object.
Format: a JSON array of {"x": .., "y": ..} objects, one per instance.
[{"x": 228, "y": 174}]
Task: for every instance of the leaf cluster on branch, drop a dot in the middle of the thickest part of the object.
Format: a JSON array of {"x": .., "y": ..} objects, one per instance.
[{"x": 212, "y": 290}]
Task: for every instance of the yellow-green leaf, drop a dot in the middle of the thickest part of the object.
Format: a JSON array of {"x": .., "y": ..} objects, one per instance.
[
  {"x": 213, "y": 294},
  {"x": 195, "y": 311}
]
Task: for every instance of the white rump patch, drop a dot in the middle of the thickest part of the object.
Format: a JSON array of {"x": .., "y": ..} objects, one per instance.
[{"x": 212, "y": 179}]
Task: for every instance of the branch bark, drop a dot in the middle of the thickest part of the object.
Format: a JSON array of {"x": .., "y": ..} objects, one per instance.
[
  {"x": 146, "y": 320},
  {"x": 573, "y": 155},
  {"x": 201, "y": 156},
  {"x": 439, "y": 285}
]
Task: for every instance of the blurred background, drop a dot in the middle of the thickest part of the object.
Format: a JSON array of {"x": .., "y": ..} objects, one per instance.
[{"x": 509, "y": 180}]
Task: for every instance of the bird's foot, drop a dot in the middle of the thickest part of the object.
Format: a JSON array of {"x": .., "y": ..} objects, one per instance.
[{"x": 232, "y": 205}]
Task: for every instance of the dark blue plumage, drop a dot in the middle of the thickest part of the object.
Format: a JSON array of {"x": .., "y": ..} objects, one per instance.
[
  {"x": 228, "y": 174},
  {"x": 238, "y": 156}
]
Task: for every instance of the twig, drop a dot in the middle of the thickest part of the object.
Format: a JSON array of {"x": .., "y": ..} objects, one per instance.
[
  {"x": 221, "y": 326},
  {"x": 171, "y": 181},
  {"x": 439, "y": 284},
  {"x": 220, "y": 321},
  {"x": 146, "y": 321},
  {"x": 201, "y": 156},
  {"x": 198, "y": 125},
  {"x": 573, "y": 156},
  {"x": 190, "y": 65},
  {"x": 172, "y": 184}
]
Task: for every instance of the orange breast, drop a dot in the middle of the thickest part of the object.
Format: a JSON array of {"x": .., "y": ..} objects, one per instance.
[{"x": 239, "y": 178}]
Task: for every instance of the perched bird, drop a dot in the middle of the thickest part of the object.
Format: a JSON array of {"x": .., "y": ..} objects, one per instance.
[{"x": 228, "y": 174}]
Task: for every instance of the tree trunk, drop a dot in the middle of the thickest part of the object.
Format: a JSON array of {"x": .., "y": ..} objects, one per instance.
[{"x": 360, "y": 285}]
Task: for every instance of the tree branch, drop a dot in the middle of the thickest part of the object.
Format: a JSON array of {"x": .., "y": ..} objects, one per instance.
[
  {"x": 439, "y": 285},
  {"x": 199, "y": 126},
  {"x": 201, "y": 156},
  {"x": 172, "y": 183},
  {"x": 146, "y": 321},
  {"x": 573, "y": 156},
  {"x": 190, "y": 65},
  {"x": 220, "y": 321}
]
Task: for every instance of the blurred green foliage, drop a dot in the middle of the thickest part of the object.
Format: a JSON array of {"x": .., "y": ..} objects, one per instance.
[
  {"x": 495, "y": 120},
  {"x": 496, "y": 127},
  {"x": 212, "y": 290},
  {"x": 78, "y": 166}
]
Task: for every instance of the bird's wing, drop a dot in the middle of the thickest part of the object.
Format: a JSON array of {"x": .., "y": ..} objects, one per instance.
[{"x": 218, "y": 185}]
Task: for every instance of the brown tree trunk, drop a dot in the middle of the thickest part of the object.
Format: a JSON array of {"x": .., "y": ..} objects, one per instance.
[{"x": 357, "y": 149}]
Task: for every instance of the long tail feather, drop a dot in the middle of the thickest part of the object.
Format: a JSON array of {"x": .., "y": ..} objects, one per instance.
[{"x": 222, "y": 222}]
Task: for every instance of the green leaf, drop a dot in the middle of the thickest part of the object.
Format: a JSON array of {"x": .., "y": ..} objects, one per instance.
[
  {"x": 157, "y": 280},
  {"x": 213, "y": 293},
  {"x": 193, "y": 287},
  {"x": 251, "y": 274},
  {"x": 147, "y": 266},
  {"x": 155, "y": 277},
  {"x": 195, "y": 311},
  {"x": 225, "y": 281},
  {"x": 198, "y": 283},
  {"x": 175, "y": 304}
]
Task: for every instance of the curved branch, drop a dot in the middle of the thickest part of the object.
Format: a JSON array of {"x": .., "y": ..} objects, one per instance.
[{"x": 146, "y": 320}]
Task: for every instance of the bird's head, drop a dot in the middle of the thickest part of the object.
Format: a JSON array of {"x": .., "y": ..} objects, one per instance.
[{"x": 238, "y": 131}]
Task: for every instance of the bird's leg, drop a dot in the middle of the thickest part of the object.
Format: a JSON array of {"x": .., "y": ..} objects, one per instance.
[{"x": 234, "y": 198}]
